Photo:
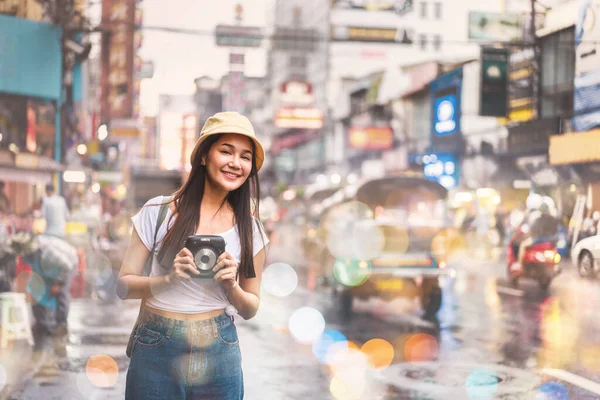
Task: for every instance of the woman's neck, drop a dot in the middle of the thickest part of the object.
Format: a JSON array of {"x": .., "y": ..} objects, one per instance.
[{"x": 213, "y": 199}]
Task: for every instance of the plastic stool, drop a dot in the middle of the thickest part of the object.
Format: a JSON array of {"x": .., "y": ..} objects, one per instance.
[{"x": 15, "y": 318}]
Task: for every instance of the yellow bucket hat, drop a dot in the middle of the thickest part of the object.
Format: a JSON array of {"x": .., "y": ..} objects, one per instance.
[{"x": 230, "y": 122}]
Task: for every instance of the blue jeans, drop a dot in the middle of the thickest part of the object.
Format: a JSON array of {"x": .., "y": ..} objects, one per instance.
[{"x": 173, "y": 359}]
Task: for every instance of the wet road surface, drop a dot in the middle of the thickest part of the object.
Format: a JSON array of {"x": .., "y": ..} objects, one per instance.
[{"x": 491, "y": 341}]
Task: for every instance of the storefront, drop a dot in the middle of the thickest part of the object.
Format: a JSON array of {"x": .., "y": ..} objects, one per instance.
[
  {"x": 29, "y": 122},
  {"x": 580, "y": 152}
]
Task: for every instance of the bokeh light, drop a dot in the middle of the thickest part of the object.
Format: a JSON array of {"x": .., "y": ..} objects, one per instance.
[
  {"x": 482, "y": 384},
  {"x": 351, "y": 272},
  {"x": 421, "y": 347},
  {"x": 338, "y": 353},
  {"x": 379, "y": 352},
  {"x": 102, "y": 370},
  {"x": 350, "y": 371},
  {"x": 98, "y": 268},
  {"x": 306, "y": 325},
  {"x": 322, "y": 345},
  {"x": 342, "y": 390},
  {"x": 279, "y": 279},
  {"x": 552, "y": 391}
]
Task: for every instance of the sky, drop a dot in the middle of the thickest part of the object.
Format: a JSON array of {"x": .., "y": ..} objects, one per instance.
[{"x": 180, "y": 58}]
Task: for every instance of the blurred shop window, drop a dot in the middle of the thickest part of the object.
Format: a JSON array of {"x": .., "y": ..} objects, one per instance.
[
  {"x": 423, "y": 41},
  {"x": 558, "y": 69},
  {"x": 438, "y": 10},
  {"x": 437, "y": 42},
  {"x": 423, "y": 8}
]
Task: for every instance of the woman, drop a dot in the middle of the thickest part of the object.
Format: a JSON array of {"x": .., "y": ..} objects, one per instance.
[{"x": 186, "y": 345}]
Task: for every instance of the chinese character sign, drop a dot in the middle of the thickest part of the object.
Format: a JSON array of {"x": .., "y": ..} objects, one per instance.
[{"x": 118, "y": 58}]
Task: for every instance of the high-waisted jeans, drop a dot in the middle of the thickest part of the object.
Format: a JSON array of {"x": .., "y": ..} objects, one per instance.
[{"x": 173, "y": 359}]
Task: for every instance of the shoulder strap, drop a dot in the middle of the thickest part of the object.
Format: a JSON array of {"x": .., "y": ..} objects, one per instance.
[{"x": 162, "y": 213}]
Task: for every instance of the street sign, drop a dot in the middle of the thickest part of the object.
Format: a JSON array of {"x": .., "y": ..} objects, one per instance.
[{"x": 238, "y": 36}]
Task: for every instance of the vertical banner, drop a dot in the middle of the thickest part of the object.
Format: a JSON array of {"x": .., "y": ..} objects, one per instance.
[
  {"x": 118, "y": 59},
  {"x": 586, "y": 107},
  {"x": 520, "y": 84},
  {"x": 493, "y": 101},
  {"x": 446, "y": 134},
  {"x": 234, "y": 98}
]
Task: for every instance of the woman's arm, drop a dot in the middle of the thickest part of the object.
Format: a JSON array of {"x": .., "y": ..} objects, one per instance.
[
  {"x": 131, "y": 285},
  {"x": 245, "y": 295}
]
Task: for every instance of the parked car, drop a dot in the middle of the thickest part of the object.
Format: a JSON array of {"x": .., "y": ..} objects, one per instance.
[{"x": 586, "y": 256}]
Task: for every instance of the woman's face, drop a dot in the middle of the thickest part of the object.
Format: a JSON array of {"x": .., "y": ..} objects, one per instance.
[{"x": 229, "y": 161}]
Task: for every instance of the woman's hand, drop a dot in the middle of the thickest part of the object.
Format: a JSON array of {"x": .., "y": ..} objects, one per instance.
[
  {"x": 183, "y": 266},
  {"x": 226, "y": 271}
]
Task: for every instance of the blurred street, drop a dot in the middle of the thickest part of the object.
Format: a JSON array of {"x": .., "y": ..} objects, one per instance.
[{"x": 523, "y": 338}]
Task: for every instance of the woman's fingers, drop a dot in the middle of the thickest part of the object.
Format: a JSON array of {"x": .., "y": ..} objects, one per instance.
[{"x": 226, "y": 273}]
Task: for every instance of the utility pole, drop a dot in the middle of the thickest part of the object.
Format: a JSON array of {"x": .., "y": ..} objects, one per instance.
[{"x": 535, "y": 65}]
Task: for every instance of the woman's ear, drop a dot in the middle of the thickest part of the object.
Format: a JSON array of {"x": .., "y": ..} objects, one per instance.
[{"x": 203, "y": 161}]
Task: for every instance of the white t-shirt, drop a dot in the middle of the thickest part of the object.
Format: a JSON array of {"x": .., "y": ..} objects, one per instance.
[
  {"x": 55, "y": 211},
  {"x": 198, "y": 295}
]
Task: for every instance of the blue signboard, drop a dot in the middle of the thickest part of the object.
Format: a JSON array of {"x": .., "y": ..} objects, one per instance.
[
  {"x": 30, "y": 58},
  {"x": 441, "y": 168},
  {"x": 445, "y": 118}
]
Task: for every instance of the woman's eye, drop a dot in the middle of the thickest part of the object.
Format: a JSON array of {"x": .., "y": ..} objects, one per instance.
[
  {"x": 225, "y": 152},
  {"x": 247, "y": 158}
]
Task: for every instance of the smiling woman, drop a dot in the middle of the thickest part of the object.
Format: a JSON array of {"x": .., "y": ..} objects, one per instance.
[{"x": 186, "y": 320}]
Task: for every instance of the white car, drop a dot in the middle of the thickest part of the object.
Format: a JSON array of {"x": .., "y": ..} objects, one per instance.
[{"x": 586, "y": 255}]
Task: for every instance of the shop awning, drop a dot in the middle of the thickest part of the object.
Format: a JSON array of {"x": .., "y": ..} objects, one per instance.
[{"x": 32, "y": 176}]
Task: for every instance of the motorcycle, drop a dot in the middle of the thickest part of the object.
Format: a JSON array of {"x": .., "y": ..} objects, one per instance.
[{"x": 540, "y": 261}]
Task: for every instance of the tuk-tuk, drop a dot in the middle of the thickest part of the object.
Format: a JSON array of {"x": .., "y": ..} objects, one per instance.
[{"x": 388, "y": 240}]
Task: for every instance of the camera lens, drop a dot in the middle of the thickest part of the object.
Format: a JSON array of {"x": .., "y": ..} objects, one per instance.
[{"x": 205, "y": 259}]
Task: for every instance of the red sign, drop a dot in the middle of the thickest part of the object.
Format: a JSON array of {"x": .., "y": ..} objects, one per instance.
[
  {"x": 292, "y": 140},
  {"x": 371, "y": 138},
  {"x": 118, "y": 58}
]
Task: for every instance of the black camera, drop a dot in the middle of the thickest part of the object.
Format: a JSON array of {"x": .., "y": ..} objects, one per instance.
[{"x": 206, "y": 250}]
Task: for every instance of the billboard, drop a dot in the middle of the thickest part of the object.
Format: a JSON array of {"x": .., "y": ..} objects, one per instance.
[
  {"x": 341, "y": 33},
  {"x": 520, "y": 84},
  {"x": 371, "y": 138},
  {"x": 118, "y": 59},
  {"x": 446, "y": 103},
  {"x": 494, "y": 80},
  {"x": 238, "y": 36},
  {"x": 441, "y": 168},
  {"x": 31, "y": 58},
  {"x": 399, "y": 7},
  {"x": 299, "y": 117},
  {"x": 586, "y": 107},
  {"x": 495, "y": 27}
]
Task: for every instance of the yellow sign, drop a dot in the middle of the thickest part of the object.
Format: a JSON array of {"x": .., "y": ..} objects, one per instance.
[
  {"x": 372, "y": 34},
  {"x": 574, "y": 148},
  {"x": 523, "y": 115}
]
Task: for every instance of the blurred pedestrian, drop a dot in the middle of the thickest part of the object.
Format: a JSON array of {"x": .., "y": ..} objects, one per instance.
[
  {"x": 5, "y": 206},
  {"x": 53, "y": 262},
  {"x": 185, "y": 343},
  {"x": 56, "y": 213}
]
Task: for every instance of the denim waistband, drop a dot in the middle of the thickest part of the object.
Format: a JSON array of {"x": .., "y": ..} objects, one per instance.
[{"x": 176, "y": 326}]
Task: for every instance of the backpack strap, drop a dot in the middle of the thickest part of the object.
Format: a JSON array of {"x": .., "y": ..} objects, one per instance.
[{"x": 162, "y": 213}]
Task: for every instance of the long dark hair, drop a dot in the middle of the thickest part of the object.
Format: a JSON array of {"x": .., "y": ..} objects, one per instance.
[{"x": 187, "y": 199}]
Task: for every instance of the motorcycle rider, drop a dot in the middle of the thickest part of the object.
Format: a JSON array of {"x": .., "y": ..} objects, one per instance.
[{"x": 543, "y": 229}]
